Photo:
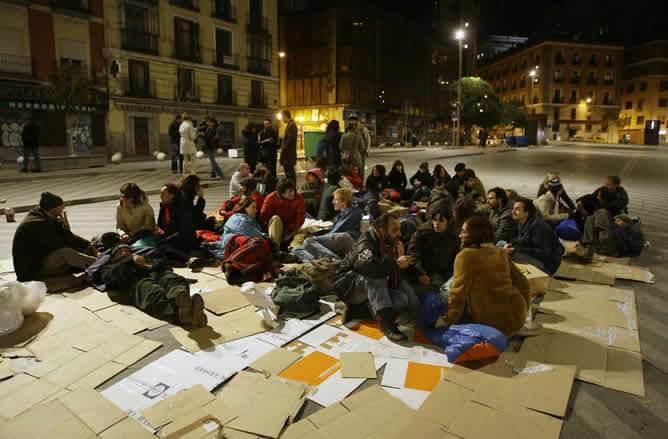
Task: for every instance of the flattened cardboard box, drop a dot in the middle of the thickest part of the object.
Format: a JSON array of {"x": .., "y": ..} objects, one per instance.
[
  {"x": 51, "y": 420},
  {"x": 538, "y": 279},
  {"x": 276, "y": 361},
  {"x": 224, "y": 300},
  {"x": 177, "y": 405},
  {"x": 97, "y": 412}
]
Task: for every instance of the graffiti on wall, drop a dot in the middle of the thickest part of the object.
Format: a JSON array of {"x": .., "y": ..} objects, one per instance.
[
  {"x": 79, "y": 133},
  {"x": 10, "y": 133}
]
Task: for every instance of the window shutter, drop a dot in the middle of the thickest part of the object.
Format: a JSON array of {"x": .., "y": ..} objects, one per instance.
[{"x": 195, "y": 36}]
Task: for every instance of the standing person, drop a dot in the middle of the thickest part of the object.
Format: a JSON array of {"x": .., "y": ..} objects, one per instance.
[
  {"x": 289, "y": 147},
  {"x": 363, "y": 132},
  {"x": 482, "y": 134},
  {"x": 352, "y": 147},
  {"x": 620, "y": 204},
  {"x": 210, "y": 148},
  {"x": 332, "y": 142},
  {"x": 30, "y": 139},
  {"x": 175, "y": 139},
  {"x": 237, "y": 178},
  {"x": 187, "y": 148},
  {"x": 250, "y": 146},
  {"x": 268, "y": 147}
]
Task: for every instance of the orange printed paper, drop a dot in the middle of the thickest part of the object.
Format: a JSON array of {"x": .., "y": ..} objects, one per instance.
[
  {"x": 420, "y": 376},
  {"x": 313, "y": 369},
  {"x": 370, "y": 329}
]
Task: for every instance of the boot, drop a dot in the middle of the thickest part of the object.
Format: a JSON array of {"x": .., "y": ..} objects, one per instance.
[
  {"x": 184, "y": 305},
  {"x": 389, "y": 326},
  {"x": 588, "y": 256},
  {"x": 199, "y": 318},
  {"x": 351, "y": 315}
]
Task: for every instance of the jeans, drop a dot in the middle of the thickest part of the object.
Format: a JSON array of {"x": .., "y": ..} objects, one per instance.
[
  {"x": 290, "y": 173},
  {"x": 215, "y": 169},
  {"x": 27, "y": 151},
  {"x": 177, "y": 158},
  {"x": 332, "y": 246},
  {"x": 56, "y": 267},
  {"x": 381, "y": 297}
]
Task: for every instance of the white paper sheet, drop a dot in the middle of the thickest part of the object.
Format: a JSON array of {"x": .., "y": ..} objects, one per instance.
[
  {"x": 319, "y": 335},
  {"x": 336, "y": 388},
  {"x": 395, "y": 373},
  {"x": 293, "y": 329},
  {"x": 411, "y": 397}
]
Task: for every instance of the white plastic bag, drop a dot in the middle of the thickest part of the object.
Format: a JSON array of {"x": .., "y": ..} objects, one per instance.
[
  {"x": 34, "y": 294},
  {"x": 257, "y": 296},
  {"x": 16, "y": 300}
]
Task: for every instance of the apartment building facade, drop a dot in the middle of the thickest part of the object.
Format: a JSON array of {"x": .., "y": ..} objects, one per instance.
[
  {"x": 572, "y": 89},
  {"x": 203, "y": 57},
  {"x": 52, "y": 70}
]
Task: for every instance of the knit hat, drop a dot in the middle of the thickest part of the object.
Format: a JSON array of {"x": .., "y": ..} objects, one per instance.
[
  {"x": 50, "y": 201},
  {"x": 627, "y": 219},
  {"x": 554, "y": 185},
  {"x": 318, "y": 173},
  {"x": 460, "y": 167}
]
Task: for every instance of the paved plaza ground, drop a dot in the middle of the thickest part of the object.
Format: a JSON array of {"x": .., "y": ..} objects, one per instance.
[{"x": 594, "y": 412}]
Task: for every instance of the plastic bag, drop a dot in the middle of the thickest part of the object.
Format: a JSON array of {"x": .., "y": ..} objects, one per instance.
[
  {"x": 16, "y": 300},
  {"x": 34, "y": 294}
]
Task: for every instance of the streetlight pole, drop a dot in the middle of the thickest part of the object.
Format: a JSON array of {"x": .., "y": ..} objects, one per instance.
[{"x": 459, "y": 35}]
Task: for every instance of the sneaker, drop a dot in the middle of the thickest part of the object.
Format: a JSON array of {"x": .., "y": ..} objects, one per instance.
[
  {"x": 198, "y": 318},
  {"x": 184, "y": 304},
  {"x": 389, "y": 326}
]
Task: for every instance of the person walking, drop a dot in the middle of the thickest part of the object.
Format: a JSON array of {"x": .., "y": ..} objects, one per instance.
[
  {"x": 289, "y": 147},
  {"x": 250, "y": 146},
  {"x": 30, "y": 139},
  {"x": 363, "y": 132},
  {"x": 187, "y": 144},
  {"x": 175, "y": 139},
  {"x": 210, "y": 144}
]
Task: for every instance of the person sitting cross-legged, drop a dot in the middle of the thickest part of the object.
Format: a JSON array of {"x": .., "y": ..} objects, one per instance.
[
  {"x": 311, "y": 190},
  {"x": 248, "y": 189},
  {"x": 147, "y": 284},
  {"x": 45, "y": 249},
  {"x": 620, "y": 204},
  {"x": 336, "y": 242},
  {"x": 369, "y": 277},
  {"x": 134, "y": 215},
  {"x": 283, "y": 212}
]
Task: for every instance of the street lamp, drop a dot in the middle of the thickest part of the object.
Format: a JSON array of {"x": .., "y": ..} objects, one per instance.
[
  {"x": 281, "y": 54},
  {"x": 459, "y": 35},
  {"x": 532, "y": 75},
  {"x": 589, "y": 100}
]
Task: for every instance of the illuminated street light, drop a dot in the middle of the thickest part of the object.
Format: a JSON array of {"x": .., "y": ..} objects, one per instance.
[
  {"x": 589, "y": 100},
  {"x": 459, "y": 35},
  {"x": 466, "y": 24},
  {"x": 532, "y": 73},
  {"x": 281, "y": 54},
  {"x": 279, "y": 116},
  {"x": 466, "y": 46}
]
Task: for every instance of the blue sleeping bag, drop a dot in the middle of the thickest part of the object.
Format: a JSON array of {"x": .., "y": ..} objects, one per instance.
[{"x": 464, "y": 342}]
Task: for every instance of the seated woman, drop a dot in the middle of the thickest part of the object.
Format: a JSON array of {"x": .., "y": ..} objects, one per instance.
[
  {"x": 244, "y": 250},
  {"x": 440, "y": 176},
  {"x": 248, "y": 189},
  {"x": 487, "y": 288},
  {"x": 472, "y": 187},
  {"x": 337, "y": 241},
  {"x": 376, "y": 182},
  {"x": 397, "y": 179},
  {"x": 552, "y": 183},
  {"x": 422, "y": 182},
  {"x": 311, "y": 190},
  {"x": 190, "y": 188},
  {"x": 464, "y": 209},
  {"x": 149, "y": 285},
  {"x": 134, "y": 214},
  {"x": 175, "y": 220},
  {"x": 353, "y": 176}
]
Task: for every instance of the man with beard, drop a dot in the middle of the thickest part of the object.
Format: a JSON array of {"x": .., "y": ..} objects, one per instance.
[{"x": 368, "y": 279}]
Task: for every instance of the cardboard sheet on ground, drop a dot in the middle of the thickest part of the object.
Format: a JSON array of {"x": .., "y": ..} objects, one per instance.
[
  {"x": 221, "y": 329},
  {"x": 609, "y": 312},
  {"x": 275, "y": 361},
  {"x": 179, "y": 404},
  {"x": 200, "y": 422},
  {"x": 32, "y": 326},
  {"x": 93, "y": 300},
  {"x": 92, "y": 408},
  {"x": 127, "y": 428},
  {"x": 357, "y": 365},
  {"x": 25, "y": 397},
  {"x": 400, "y": 373},
  {"x": 224, "y": 300},
  {"x": 264, "y": 404},
  {"x": 163, "y": 378},
  {"x": 604, "y": 273},
  {"x": 129, "y": 319},
  {"x": 596, "y": 363},
  {"x": 51, "y": 420},
  {"x": 6, "y": 370},
  {"x": 537, "y": 279}
]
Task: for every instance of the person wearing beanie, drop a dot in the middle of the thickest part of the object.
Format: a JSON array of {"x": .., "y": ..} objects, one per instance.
[
  {"x": 45, "y": 249},
  {"x": 140, "y": 276},
  {"x": 552, "y": 183}
]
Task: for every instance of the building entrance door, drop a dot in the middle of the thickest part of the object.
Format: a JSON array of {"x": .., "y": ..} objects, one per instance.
[{"x": 141, "y": 136}]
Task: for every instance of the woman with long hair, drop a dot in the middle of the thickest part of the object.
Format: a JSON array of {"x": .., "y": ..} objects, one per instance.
[
  {"x": 134, "y": 214},
  {"x": 397, "y": 178},
  {"x": 441, "y": 176}
]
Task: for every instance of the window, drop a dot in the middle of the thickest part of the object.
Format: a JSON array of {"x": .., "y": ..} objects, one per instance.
[
  {"x": 643, "y": 86},
  {"x": 259, "y": 56},
  {"x": 607, "y": 100},
  {"x": 574, "y": 96},
  {"x": 577, "y": 58},
  {"x": 630, "y": 88},
  {"x": 640, "y": 120},
  {"x": 609, "y": 60},
  {"x": 556, "y": 114},
  {"x": 607, "y": 78},
  {"x": 138, "y": 78},
  {"x": 555, "y": 127},
  {"x": 641, "y": 104},
  {"x": 663, "y": 102},
  {"x": 588, "y": 128},
  {"x": 574, "y": 115},
  {"x": 515, "y": 68},
  {"x": 628, "y": 105},
  {"x": 575, "y": 77},
  {"x": 225, "y": 90},
  {"x": 186, "y": 85},
  {"x": 257, "y": 94},
  {"x": 186, "y": 40},
  {"x": 591, "y": 78},
  {"x": 223, "y": 41},
  {"x": 255, "y": 13},
  {"x": 557, "y": 75},
  {"x": 557, "y": 96},
  {"x": 537, "y": 60},
  {"x": 559, "y": 57},
  {"x": 140, "y": 27},
  {"x": 594, "y": 59},
  {"x": 663, "y": 86}
]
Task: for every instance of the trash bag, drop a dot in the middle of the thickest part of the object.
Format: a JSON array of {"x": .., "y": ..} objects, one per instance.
[
  {"x": 34, "y": 294},
  {"x": 16, "y": 300}
]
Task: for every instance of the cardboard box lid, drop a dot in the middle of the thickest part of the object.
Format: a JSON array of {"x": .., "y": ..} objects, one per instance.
[{"x": 357, "y": 365}]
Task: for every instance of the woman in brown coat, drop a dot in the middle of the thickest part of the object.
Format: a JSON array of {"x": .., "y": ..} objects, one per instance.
[{"x": 486, "y": 284}]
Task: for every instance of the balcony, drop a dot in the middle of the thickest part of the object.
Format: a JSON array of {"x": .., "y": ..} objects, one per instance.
[
  {"x": 258, "y": 25},
  {"x": 134, "y": 90},
  {"x": 575, "y": 80},
  {"x": 559, "y": 80},
  {"x": 257, "y": 100},
  {"x": 192, "y": 55},
  {"x": 16, "y": 64},
  {"x": 259, "y": 66},
  {"x": 226, "y": 13},
  {"x": 187, "y": 94},
  {"x": 81, "y": 6},
  {"x": 573, "y": 100},
  {"x": 140, "y": 41},
  {"x": 225, "y": 61},
  {"x": 226, "y": 97},
  {"x": 557, "y": 100},
  {"x": 608, "y": 101},
  {"x": 193, "y": 5}
]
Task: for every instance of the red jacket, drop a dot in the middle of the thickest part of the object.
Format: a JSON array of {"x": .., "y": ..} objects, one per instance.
[
  {"x": 355, "y": 180},
  {"x": 292, "y": 212},
  {"x": 226, "y": 209}
]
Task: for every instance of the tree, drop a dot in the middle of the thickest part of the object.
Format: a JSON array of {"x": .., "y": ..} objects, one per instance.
[
  {"x": 514, "y": 113},
  {"x": 480, "y": 105}
]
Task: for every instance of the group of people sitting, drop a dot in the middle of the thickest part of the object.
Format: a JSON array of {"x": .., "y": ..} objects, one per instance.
[{"x": 463, "y": 243}]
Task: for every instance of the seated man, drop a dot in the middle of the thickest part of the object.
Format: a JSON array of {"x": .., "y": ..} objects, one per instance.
[
  {"x": 434, "y": 247},
  {"x": 283, "y": 212},
  {"x": 235, "y": 182},
  {"x": 621, "y": 202},
  {"x": 536, "y": 242},
  {"x": 598, "y": 234},
  {"x": 148, "y": 285},
  {"x": 422, "y": 182},
  {"x": 248, "y": 189},
  {"x": 629, "y": 239},
  {"x": 472, "y": 186},
  {"x": 457, "y": 180},
  {"x": 501, "y": 215},
  {"x": 337, "y": 242},
  {"x": 44, "y": 248},
  {"x": 311, "y": 190},
  {"x": 326, "y": 211},
  {"x": 369, "y": 277}
]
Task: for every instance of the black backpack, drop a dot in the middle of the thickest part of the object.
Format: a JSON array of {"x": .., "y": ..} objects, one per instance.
[{"x": 295, "y": 296}]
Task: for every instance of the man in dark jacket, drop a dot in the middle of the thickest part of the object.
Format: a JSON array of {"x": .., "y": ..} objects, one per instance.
[
  {"x": 369, "y": 277},
  {"x": 327, "y": 211},
  {"x": 210, "y": 144},
  {"x": 620, "y": 204},
  {"x": 457, "y": 180},
  {"x": 536, "y": 243},
  {"x": 434, "y": 247},
  {"x": 30, "y": 139},
  {"x": 267, "y": 147},
  {"x": 45, "y": 249},
  {"x": 501, "y": 215},
  {"x": 598, "y": 234},
  {"x": 146, "y": 283},
  {"x": 289, "y": 147},
  {"x": 422, "y": 182},
  {"x": 175, "y": 139}
]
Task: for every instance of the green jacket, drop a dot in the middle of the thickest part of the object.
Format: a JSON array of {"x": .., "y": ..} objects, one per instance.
[{"x": 38, "y": 235}]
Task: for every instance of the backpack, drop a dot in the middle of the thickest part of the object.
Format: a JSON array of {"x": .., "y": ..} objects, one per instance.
[
  {"x": 321, "y": 272},
  {"x": 295, "y": 295}
]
